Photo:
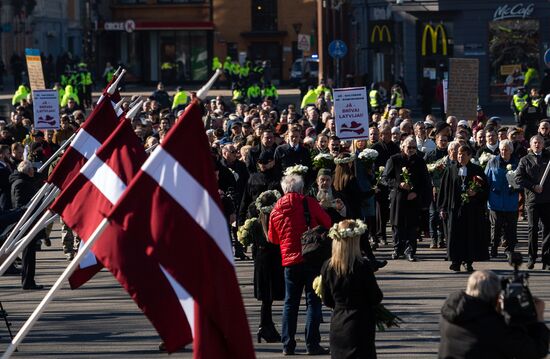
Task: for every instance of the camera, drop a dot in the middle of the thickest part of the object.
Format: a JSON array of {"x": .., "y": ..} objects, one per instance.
[{"x": 518, "y": 305}]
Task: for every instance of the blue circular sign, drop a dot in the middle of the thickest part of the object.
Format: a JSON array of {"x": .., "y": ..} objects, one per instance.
[
  {"x": 547, "y": 57},
  {"x": 337, "y": 49}
]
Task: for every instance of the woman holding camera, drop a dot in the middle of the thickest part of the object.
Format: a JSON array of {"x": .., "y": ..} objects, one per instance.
[{"x": 350, "y": 288}]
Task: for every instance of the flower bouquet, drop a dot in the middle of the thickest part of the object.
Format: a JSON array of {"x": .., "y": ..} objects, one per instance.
[
  {"x": 484, "y": 158},
  {"x": 511, "y": 177},
  {"x": 438, "y": 166},
  {"x": 296, "y": 170},
  {"x": 378, "y": 175},
  {"x": 406, "y": 176},
  {"x": 244, "y": 233},
  {"x": 323, "y": 160},
  {"x": 475, "y": 185},
  {"x": 368, "y": 155}
]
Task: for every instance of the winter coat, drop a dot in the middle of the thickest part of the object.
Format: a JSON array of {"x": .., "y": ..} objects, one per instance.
[
  {"x": 287, "y": 223},
  {"x": 529, "y": 173},
  {"x": 23, "y": 189},
  {"x": 472, "y": 328},
  {"x": 502, "y": 197}
]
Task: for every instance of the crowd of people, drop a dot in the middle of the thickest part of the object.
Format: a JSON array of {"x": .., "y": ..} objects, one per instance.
[{"x": 282, "y": 170}]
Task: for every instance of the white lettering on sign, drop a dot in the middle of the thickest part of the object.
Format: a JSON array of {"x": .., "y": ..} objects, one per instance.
[
  {"x": 114, "y": 26},
  {"x": 513, "y": 11}
]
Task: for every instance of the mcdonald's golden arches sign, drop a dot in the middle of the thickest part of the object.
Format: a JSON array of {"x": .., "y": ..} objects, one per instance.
[
  {"x": 380, "y": 34},
  {"x": 433, "y": 34}
]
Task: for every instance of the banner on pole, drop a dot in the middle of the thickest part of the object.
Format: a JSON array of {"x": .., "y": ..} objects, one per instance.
[
  {"x": 46, "y": 109},
  {"x": 34, "y": 68},
  {"x": 351, "y": 113}
]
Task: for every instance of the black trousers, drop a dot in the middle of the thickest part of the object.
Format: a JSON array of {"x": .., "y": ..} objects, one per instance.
[
  {"x": 382, "y": 218},
  {"x": 536, "y": 212},
  {"x": 504, "y": 223},
  {"x": 404, "y": 239},
  {"x": 436, "y": 224},
  {"x": 28, "y": 265}
]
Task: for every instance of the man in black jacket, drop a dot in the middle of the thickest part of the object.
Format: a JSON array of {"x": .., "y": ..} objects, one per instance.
[
  {"x": 267, "y": 143},
  {"x": 293, "y": 152},
  {"x": 472, "y": 326},
  {"x": 537, "y": 198},
  {"x": 385, "y": 148}
]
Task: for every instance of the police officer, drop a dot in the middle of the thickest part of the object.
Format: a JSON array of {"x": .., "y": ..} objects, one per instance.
[
  {"x": 180, "y": 100},
  {"x": 519, "y": 105},
  {"x": 270, "y": 91},
  {"x": 375, "y": 98},
  {"x": 397, "y": 100},
  {"x": 254, "y": 93}
]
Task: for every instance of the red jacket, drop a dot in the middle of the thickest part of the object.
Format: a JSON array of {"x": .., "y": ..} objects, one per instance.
[{"x": 287, "y": 224}]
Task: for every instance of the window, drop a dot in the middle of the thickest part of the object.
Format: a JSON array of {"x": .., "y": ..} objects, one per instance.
[
  {"x": 183, "y": 56},
  {"x": 264, "y": 15}
]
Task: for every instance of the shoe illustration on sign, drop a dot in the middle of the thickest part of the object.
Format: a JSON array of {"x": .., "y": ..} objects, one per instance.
[
  {"x": 48, "y": 120},
  {"x": 354, "y": 127}
]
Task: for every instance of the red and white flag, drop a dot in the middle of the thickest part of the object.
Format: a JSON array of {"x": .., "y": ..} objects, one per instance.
[
  {"x": 100, "y": 124},
  {"x": 84, "y": 204},
  {"x": 173, "y": 206}
]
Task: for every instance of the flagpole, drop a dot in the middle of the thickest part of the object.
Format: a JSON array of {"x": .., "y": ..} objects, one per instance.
[
  {"x": 203, "y": 92},
  {"x": 49, "y": 297},
  {"x": 47, "y": 201},
  {"x": 56, "y": 153},
  {"x": 24, "y": 242},
  {"x": 37, "y": 198}
]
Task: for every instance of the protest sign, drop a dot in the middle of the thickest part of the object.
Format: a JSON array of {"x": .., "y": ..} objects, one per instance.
[
  {"x": 34, "y": 66},
  {"x": 351, "y": 113},
  {"x": 46, "y": 109}
]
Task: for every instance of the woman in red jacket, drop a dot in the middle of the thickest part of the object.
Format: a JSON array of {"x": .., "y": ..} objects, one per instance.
[{"x": 286, "y": 225}]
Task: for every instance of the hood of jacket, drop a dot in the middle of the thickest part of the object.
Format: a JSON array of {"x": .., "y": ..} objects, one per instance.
[{"x": 18, "y": 176}]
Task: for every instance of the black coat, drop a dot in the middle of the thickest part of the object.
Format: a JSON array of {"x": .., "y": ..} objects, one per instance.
[
  {"x": 286, "y": 156},
  {"x": 257, "y": 183},
  {"x": 402, "y": 211},
  {"x": 488, "y": 150},
  {"x": 467, "y": 223},
  {"x": 5, "y": 188},
  {"x": 254, "y": 154},
  {"x": 269, "y": 282},
  {"x": 23, "y": 189},
  {"x": 471, "y": 328},
  {"x": 353, "y": 297},
  {"x": 529, "y": 173},
  {"x": 240, "y": 168},
  {"x": 353, "y": 197}
]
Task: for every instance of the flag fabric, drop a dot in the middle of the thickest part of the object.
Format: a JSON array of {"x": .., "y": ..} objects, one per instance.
[
  {"x": 173, "y": 206},
  {"x": 100, "y": 124},
  {"x": 83, "y": 205}
]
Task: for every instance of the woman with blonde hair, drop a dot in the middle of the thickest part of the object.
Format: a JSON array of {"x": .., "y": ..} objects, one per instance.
[{"x": 350, "y": 288}]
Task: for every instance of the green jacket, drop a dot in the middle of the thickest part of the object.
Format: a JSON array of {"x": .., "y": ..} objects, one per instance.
[
  {"x": 69, "y": 93},
  {"x": 180, "y": 98},
  {"x": 21, "y": 93},
  {"x": 309, "y": 99}
]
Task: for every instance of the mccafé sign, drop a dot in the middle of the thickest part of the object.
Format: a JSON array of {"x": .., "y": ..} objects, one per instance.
[
  {"x": 513, "y": 11},
  {"x": 433, "y": 34},
  {"x": 383, "y": 33}
]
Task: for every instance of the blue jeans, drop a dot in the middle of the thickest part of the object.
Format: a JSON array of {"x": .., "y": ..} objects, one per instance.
[{"x": 297, "y": 278}]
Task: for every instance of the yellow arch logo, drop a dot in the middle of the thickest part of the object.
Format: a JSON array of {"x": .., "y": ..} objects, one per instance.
[
  {"x": 434, "y": 34},
  {"x": 381, "y": 30}
]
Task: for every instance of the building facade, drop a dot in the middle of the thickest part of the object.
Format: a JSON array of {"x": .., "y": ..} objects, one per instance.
[
  {"x": 415, "y": 39},
  {"x": 264, "y": 30}
]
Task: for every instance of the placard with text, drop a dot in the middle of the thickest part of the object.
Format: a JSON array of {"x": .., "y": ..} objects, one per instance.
[{"x": 351, "y": 113}]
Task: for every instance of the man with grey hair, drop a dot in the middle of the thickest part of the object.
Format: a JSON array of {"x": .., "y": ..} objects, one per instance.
[
  {"x": 472, "y": 325},
  {"x": 407, "y": 177},
  {"x": 537, "y": 199},
  {"x": 287, "y": 223}
]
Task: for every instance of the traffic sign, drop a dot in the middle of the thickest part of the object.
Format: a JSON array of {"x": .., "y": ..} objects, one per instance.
[
  {"x": 337, "y": 49},
  {"x": 547, "y": 57},
  {"x": 303, "y": 42}
]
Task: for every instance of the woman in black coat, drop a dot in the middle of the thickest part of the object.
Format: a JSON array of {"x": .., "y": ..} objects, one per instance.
[
  {"x": 269, "y": 282},
  {"x": 350, "y": 288},
  {"x": 347, "y": 187}
]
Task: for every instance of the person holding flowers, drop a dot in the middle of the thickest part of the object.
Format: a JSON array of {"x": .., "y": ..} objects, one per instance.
[
  {"x": 407, "y": 177},
  {"x": 366, "y": 178},
  {"x": 268, "y": 272},
  {"x": 462, "y": 204},
  {"x": 503, "y": 198},
  {"x": 349, "y": 287}
]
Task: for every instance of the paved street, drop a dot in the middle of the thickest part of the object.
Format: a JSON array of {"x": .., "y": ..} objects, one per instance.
[{"x": 101, "y": 321}]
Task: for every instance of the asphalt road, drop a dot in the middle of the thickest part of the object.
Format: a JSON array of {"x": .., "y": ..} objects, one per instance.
[{"x": 101, "y": 321}]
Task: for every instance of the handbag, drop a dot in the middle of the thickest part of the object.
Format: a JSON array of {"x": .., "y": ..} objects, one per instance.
[{"x": 316, "y": 245}]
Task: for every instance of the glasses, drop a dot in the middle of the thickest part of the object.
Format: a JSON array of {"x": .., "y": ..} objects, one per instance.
[
  {"x": 411, "y": 147},
  {"x": 233, "y": 151}
]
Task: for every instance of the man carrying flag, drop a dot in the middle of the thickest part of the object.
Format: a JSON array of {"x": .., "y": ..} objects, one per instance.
[{"x": 183, "y": 227}]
